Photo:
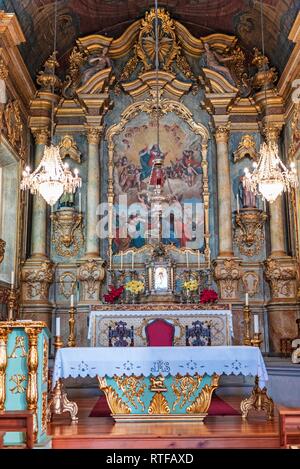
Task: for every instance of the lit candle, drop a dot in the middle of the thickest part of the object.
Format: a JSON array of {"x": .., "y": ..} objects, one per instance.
[
  {"x": 12, "y": 279},
  {"x": 247, "y": 299},
  {"x": 237, "y": 203},
  {"x": 57, "y": 327},
  {"x": 121, "y": 260},
  {"x": 256, "y": 324},
  {"x": 79, "y": 202},
  {"x": 132, "y": 261},
  {"x": 187, "y": 259},
  {"x": 265, "y": 206},
  {"x": 198, "y": 256},
  {"x": 72, "y": 301}
]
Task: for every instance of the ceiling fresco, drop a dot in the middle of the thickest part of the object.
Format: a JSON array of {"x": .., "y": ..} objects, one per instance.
[{"x": 202, "y": 17}]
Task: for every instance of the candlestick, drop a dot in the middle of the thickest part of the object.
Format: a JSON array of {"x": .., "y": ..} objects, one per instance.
[
  {"x": 72, "y": 336},
  {"x": 237, "y": 203},
  {"x": 256, "y": 324},
  {"x": 11, "y": 304},
  {"x": 57, "y": 327},
  {"x": 256, "y": 341},
  {"x": 247, "y": 299},
  {"x": 247, "y": 319},
  {"x": 58, "y": 343},
  {"x": 12, "y": 279},
  {"x": 72, "y": 301},
  {"x": 187, "y": 259}
]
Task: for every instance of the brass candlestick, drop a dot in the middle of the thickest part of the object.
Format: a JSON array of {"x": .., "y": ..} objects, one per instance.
[
  {"x": 12, "y": 303},
  {"x": 256, "y": 341},
  {"x": 247, "y": 321},
  {"x": 72, "y": 336},
  {"x": 58, "y": 343}
]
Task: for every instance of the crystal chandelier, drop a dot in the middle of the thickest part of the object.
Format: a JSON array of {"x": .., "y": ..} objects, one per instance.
[
  {"x": 270, "y": 176},
  {"x": 51, "y": 178}
]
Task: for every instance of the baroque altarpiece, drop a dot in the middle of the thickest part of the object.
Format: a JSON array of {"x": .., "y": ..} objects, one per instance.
[{"x": 216, "y": 102}]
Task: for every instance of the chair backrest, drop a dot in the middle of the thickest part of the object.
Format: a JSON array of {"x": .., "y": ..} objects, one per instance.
[
  {"x": 120, "y": 335},
  {"x": 198, "y": 335},
  {"x": 160, "y": 333}
]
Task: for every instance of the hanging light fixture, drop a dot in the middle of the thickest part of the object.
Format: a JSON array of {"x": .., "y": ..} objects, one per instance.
[
  {"x": 51, "y": 178},
  {"x": 270, "y": 176}
]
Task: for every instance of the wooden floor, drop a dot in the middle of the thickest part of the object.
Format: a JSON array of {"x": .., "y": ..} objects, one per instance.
[{"x": 216, "y": 432}]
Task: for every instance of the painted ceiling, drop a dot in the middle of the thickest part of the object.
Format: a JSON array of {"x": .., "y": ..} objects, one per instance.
[{"x": 111, "y": 17}]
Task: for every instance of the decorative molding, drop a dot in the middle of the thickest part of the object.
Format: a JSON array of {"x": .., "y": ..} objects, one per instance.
[
  {"x": 41, "y": 135},
  {"x": 68, "y": 148},
  {"x": 228, "y": 272},
  {"x": 67, "y": 282},
  {"x": 36, "y": 281},
  {"x": 246, "y": 149},
  {"x": 249, "y": 232},
  {"x": 116, "y": 404},
  {"x": 250, "y": 281},
  {"x": 93, "y": 134},
  {"x": 282, "y": 275},
  {"x": 222, "y": 133},
  {"x": 67, "y": 232},
  {"x": 91, "y": 274}
]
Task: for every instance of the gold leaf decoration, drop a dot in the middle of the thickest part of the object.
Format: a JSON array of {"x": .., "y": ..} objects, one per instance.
[
  {"x": 116, "y": 405},
  {"x": 159, "y": 405}
]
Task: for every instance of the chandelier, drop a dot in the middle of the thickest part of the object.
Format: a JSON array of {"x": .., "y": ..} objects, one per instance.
[
  {"x": 51, "y": 178},
  {"x": 270, "y": 176}
]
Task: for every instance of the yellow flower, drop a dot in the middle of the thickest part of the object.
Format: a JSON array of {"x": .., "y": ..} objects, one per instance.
[
  {"x": 190, "y": 285},
  {"x": 134, "y": 286}
]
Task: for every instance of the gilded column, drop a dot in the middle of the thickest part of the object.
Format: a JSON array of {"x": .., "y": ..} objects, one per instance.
[
  {"x": 32, "y": 364},
  {"x": 38, "y": 226},
  {"x": 93, "y": 191},
  {"x": 224, "y": 192},
  {"x": 4, "y": 332}
]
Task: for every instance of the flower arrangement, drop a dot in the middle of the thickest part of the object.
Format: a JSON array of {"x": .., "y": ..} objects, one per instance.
[
  {"x": 113, "y": 294},
  {"x": 134, "y": 286},
  {"x": 208, "y": 296},
  {"x": 191, "y": 285}
]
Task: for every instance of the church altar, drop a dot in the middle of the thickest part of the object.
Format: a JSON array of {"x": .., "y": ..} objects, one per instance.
[
  {"x": 138, "y": 316},
  {"x": 160, "y": 383}
]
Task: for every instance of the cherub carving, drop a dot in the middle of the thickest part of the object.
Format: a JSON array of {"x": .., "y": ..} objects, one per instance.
[{"x": 96, "y": 63}]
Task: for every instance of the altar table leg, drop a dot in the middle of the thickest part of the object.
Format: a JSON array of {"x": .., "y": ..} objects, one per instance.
[
  {"x": 59, "y": 403},
  {"x": 258, "y": 400}
]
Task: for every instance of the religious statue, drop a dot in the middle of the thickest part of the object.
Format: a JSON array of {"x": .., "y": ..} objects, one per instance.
[
  {"x": 215, "y": 62},
  {"x": 296, "y": 351},
  {"x": 247, "y": 198},
  {"x": 96, "y": 64}
]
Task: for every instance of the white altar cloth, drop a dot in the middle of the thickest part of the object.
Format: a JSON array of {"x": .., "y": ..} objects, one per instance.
[
  {"x": 212, "y": 314},
  {"x": 101, "y": 361}
]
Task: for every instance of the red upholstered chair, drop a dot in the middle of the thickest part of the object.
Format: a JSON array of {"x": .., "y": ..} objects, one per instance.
[{"x": 159, "y": 333}]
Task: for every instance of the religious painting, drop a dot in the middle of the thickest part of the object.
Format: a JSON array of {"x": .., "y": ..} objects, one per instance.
[
  {"x": 160, "y": 279},
  {"x": 181, "y": 177}
]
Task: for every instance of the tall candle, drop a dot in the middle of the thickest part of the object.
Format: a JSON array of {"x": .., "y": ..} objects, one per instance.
[
  {"x": 79, "y": 201},
  {"x": 247, "y": 299},
  {"x": 72, "y": 301},
  {"x": 12, "y": 279},
  {"x": 265, "y": 206},
  {"x": 237, "y": 203},
  {"x": 187, "y": 259},
  {"x": 121, "y": 260},
  {"x": 198, "y": 256},
  {"x": 256, "y": 324},
  {"x": 132, "y": 261},
  {"x": 57, "y": 327}
]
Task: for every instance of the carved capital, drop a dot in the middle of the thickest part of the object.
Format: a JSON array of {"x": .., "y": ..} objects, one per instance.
[
  {"x": 93, "y": 134},
  {"x": 91, "y": 274},
  {"x": 227, "y": 273},
  {"x": 222, "y": 133},
  {"x": 37, "y": 280},
  {"x": 282, "y": 273},
  {"x": 41, "y": 136},
  {"x": 271, "y": 132}
]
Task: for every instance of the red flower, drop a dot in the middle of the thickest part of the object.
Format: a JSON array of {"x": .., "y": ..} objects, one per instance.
[
  {"x": 208, "y": 296},
  {"x": 113, "y": 294}
]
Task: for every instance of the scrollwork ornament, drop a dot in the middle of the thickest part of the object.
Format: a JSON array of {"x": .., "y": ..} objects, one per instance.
[
  {"x": 249, "y": 233},
  {"x": 228, "y": 273},
  {"x": 282, "y": 278},
  {"x": 67, "y": 233},
  {"x": 39, "y": 280},
  {"x": 91, "y": 274}
]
